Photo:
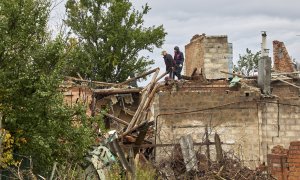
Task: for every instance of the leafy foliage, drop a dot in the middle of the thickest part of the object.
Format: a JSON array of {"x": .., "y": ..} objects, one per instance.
[
  {"x": 6, "y": 150},
  {"x": 31, "y": 66},
  {"x": 111, "y": 34},
  {"x": 247, "y": 63}
]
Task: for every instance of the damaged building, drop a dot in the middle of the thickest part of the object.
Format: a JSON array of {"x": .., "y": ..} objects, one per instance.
[{"x": 212, "y": 107}]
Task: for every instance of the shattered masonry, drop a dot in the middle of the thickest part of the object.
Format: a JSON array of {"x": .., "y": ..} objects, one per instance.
[
  {"x": 173, "y": 114},
  {"x": 282, "y": 60}
]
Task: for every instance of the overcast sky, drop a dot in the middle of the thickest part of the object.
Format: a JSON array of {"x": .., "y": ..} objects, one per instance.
[{"x": 242, "y": 21}]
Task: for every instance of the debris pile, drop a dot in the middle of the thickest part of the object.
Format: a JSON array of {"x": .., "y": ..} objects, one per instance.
[{"x": 229, "y": 168}]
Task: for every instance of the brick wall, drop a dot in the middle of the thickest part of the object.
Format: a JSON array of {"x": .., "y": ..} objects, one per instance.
[
  {"x": 284, "y": 90},
  {"x": 282, "y": 60},
  {"x": 284, "y": 164},
  {"x": 277, "y": 163},
  {"x": 212, "y": 54},
  {"x": 194, "y": 53},
  {"x": 294, "y": 161}
]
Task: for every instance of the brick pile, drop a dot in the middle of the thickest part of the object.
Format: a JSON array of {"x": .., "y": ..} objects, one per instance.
[
  {"x": 284, "y": 164},
  {"x": 294, "y": 161},
  {"x": 277, "y": 163}
]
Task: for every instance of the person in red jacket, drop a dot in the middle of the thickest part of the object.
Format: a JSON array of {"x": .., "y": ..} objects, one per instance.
[
  {"x": 179, "y": 59},
  {"x": 170, "y": 63}
]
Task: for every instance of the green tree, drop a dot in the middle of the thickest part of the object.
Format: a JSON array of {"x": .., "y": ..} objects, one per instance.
[
  {"x": 110, "y": 36},
  {"x": 247, "y": 63},
  {"x": 31, "y": 65}
]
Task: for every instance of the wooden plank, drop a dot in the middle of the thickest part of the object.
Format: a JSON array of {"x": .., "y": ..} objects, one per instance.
[
  {"x": 194, "y": 72},
  {"x": 188, "y": 153},
  {"x": 134, "y": 128},
  {"x": 161, "y": 76},
  {"x": 116, "y": 119},
  {"x": 219, "y": 150},
  {"x": 121, "y": 156},
  {"x": 146, "y": 107},
  {"x": 149, "y": 98},
  {"x": 116, "y": 91},
  {"x": 287, "y": 83},
  {"x": 207, "y": 146},
  {"x": 137, "y": 77},
  {"x": 131, "y": 156},
  {"x": 88, "y": 81},
  {"x": 157, "y": 79},
  {"x": 142, "y": 103},
  {"x": 141, "y": 136}
]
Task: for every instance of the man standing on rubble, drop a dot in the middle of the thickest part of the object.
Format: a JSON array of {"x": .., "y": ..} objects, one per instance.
[
  {"x": 170, "y": 63},
  {"x": 179, "y": 58}
]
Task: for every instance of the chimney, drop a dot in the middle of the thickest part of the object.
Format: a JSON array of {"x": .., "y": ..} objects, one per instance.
[
  {"x": 264, "y": 67},
  {"x": 264, "y": 50}
]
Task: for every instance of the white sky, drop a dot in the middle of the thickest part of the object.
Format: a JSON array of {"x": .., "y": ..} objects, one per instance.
[{"x": 241, "y": 20}]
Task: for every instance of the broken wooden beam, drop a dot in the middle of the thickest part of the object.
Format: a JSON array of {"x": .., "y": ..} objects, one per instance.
[
  {"x": 140, "y": 138},
  {"x": 194, "y": 72},
  {"x": 116, "y": 119},
  {"x": 121, "y": 155},
  {"x": 147, "y": 103},
  {"x": 89, "y": 81},
  {"x": 116, "y": 91},
  {"x": 137, "y": 77},
  {"x": 288, "y": 83},
  {"x": 160, "y": 77},
  {"x": 137, "y": 127},
  {"x": 234, "y": 74},
  {"x": 219, "y": 150},
  {"x": 142, "y": 103},
  {"x": 239, "y": 75}
]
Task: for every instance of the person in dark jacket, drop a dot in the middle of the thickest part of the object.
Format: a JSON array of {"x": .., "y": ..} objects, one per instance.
[
  {"x": 179, "y": 59},
  {"x": 170, "y": 63}
]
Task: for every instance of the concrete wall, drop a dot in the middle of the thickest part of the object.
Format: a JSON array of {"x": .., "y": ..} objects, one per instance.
[
  {"x": 216, "y": 57},
  {"x": 248, "y": 125},
  {"x": 229, "y": 115},
  {"x": 280, "y": 123},
  {"x": 212, "y": 54}
]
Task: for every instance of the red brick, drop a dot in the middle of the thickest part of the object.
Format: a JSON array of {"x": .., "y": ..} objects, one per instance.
[
  {"x": 293, "y": 160},
  {"x": 294, "y": 147},
  {"x": 294, "y": 156},
  {"x": 294, "y": 152},
  {"x": 295, "y": 143},
  {"x": 276, "y": 161},
  {"x": 294, "y": 168},
  {"x": 293, "y": 164}
]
